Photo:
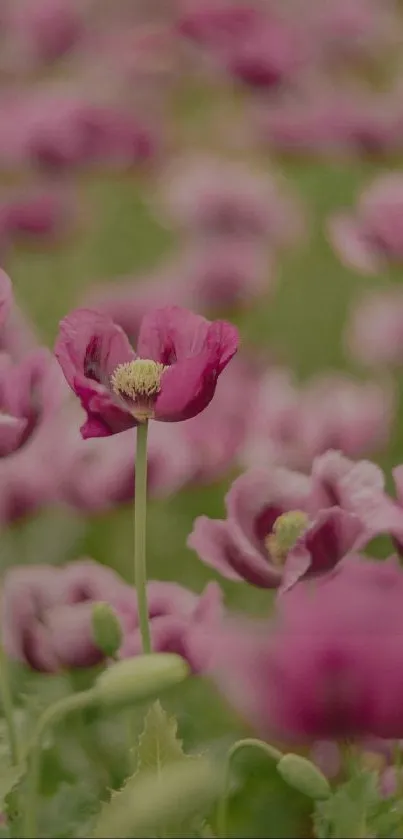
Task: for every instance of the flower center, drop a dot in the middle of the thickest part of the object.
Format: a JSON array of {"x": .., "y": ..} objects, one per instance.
[
  {"x": 139, "y": 381},
  {"x": 287, "y": 529}
]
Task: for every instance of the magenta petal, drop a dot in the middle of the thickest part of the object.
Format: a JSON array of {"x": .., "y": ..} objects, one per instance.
[
  {"x": 104, "y": 417},
  {"x": 172, "y": 334},
  {"x": 91, "y": 345},
  {"x": 296, "y": 566},
  {"x": 333, "y": 534},
  {"x": 222, "y": 545},
  {"x": 187, "y": 387},
  {"x": 225, "y": 338}
]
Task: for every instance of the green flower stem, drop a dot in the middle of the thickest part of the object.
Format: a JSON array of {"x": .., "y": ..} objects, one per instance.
[
  {"x": 7, "y": 702},
  {"x": 55, "y": 712},
  {"x": 140, "y": 518},
  {"x": 247, "y": 743}
]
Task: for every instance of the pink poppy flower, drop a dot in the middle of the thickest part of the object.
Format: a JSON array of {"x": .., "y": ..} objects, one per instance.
[
  {"x": 172, "y": 377},
  {"x": 374, "y": 332},
  {"x": 47, "y": 612},
  {"x": 372, "y": 236},
  {"x": 329, "y": 665},
  {"x": 274, "y": 532}
]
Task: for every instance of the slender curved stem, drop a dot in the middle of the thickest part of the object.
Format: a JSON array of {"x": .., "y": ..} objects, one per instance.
[
  {"x": 7, "y": 702},
  {"x": 52, "y": 714},
  {"x": 247, "y": 743},
  {"x": 140, "y": 521}
]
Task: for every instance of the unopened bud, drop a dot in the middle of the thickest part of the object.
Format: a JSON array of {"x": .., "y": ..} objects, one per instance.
[
  {"x": 139, "y": 678},
  {"x": 300, "y": 773},
  {"x": 106, "y": 629}
]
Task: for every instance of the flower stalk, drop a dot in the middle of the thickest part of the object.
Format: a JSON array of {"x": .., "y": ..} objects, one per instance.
[
  {"x": 247, "y": 743},
  {"x": 140, "y": 522},
  {"x": 7, "y": 702}
]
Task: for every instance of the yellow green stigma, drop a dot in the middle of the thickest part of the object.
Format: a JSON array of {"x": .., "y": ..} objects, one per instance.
[
  {"x": 287, "y": 529},
  {"x": 139, "y": 380}
]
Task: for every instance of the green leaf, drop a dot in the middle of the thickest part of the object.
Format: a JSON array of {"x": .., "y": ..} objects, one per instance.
[
  {"x": 346, "y": 813},
  {"x": 159, "y": 743},
  {"x": 161, "y": 803},
  {"x": 160, "y": 757}
]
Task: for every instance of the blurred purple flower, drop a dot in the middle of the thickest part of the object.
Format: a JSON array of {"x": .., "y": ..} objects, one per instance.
[
  {"x": 173, "y": 377},
  {"x": 208, "y": 196},
  {"x": 329, "y": 665},
  {"x": 274, "y": 532},
  {"x": 215, "y": 24},
  {"x": 372, "y": 237},
  {"x": 47, "y": 612},
  {"x": 374, "y": 332}
]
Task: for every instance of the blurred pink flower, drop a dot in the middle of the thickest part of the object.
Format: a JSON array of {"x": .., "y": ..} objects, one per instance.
[
  {"x": 346, "y": 30},
  {"x": 127, "y": 300},
  {"x": 329, "y": 665},
  {"x": 214, "y": 438},
  {"x": 328, "y": 122},
  {"x": 215, "y": 24},
  {"x": 208, "y": 196},
  {"x": 26, "y": 397},
  {"x": 96, "y": 475},
  {"x": 42, "y": 32},
  {"x": 173, "y": 377},
  {"x": 270, "y": 53},
  {"x": 42, "y": 212},
  {"x": 248, "y": 544},
  {"x": 371, "y": 237},
  {"x": 175, "y": 613},
  {"x": 293, "y": 424},
  {"x": 47, "y": 612},
  {"x": 374, "y": 331},
  {"x": 220, "y": 274}
]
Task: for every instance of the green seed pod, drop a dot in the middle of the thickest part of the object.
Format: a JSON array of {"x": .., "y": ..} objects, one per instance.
[
  {"x": 139, "y": 678},
  {"x": 300, "y": 773},
  {"x": 106, "y": 629}
]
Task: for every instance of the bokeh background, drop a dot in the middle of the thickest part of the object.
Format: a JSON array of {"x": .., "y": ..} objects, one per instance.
[{"x": 181, "y": 86}]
